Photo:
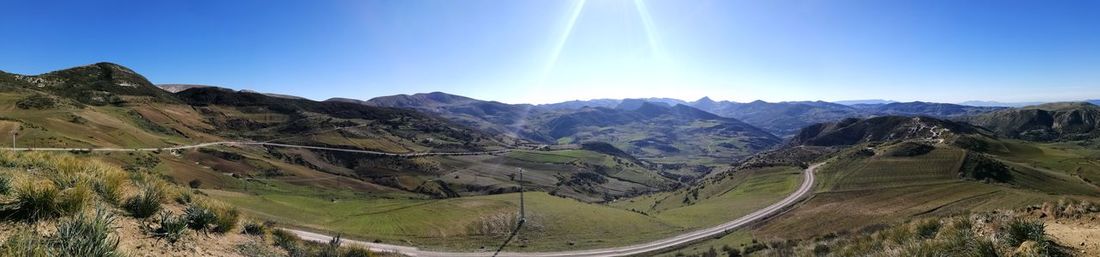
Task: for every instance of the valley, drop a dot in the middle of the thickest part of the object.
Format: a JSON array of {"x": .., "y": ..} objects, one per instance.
[{"x": 437, "y": 174}]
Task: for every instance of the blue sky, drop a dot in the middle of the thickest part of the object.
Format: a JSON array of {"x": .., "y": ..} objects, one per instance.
[{"x": 548, "y": 51}]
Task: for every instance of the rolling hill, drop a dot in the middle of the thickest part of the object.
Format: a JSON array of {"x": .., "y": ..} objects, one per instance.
[
  {"x": 787, "y": 118},
  {"x": 96, "y": 84},
  {"x": 854, "y": 131},
  {"x": 493, "y": 117},
  {"x": 196, "y": 114},
  {"x": 647, "y": 128},
  {"x": 895, "y": 168},
  {"x": 1046, "y": 122}
]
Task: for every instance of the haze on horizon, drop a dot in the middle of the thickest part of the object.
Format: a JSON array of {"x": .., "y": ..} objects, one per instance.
[{"x": 552, "y": 51}]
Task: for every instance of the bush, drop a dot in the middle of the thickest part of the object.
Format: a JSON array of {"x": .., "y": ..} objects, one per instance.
[
  {"x": 36, "y": 201},
  {"x": 5, "y": 185},
  {"x": 145, "y": 204},
  {"x": 194, "y": 183},
  {"x": 289, "y": 242},
  {"x": 110, "y": 185},
  {"x": 86, "y": 236},
  {"x": 25, "y": 244},
  {"x": 67, "y": 171},
  {"x": 256, "y": 249},
  {"x": 982, "y": 248},
  {"x": 1018, "y": 231},
  {"x": 36, "y": 101},
  {"x": 73, "y": 200},
  {"x": 821, "y": 250},
  {"x": 199, "y": 218},
  {"x": 926, "y": 229},
  {"x": 184, "y": 197},
  {"x": 332, "y": 249},
  {"x": 353, "y": 251},
  {"x": 254, "y": 229},
  {"x": 171, "y": 228},
  {"x": 225, "y": 219}
]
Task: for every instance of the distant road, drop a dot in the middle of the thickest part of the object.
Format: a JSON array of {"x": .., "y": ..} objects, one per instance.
[
  {"x": 683, "y": 239},
  {"x": 211, "y": 144}
]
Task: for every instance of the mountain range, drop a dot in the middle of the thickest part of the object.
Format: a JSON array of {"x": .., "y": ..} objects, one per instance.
[
  {"x": 647, "y": 128},
  {"x": 672, "y": 164}
]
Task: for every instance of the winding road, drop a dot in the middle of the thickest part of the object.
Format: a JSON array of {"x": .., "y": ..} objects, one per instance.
[{"x": 651, "y": 247}]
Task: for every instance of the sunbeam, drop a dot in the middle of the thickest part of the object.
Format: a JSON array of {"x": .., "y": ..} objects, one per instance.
[
  {"x": 650, "y": 31},
  {"x": 555, "y": 53}
]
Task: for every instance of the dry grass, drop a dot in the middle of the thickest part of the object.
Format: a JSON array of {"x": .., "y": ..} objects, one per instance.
[{"x": 47, "y": 211}]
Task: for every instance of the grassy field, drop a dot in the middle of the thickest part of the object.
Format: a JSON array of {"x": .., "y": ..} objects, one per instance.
[
  {"x": 717, "y": 201},
  {"x": 857, "y": 192},
  {"x": 93, "y": 126},
  {"x": 477, "y": 222},
  {"x": 1069, "y": 158},
  {"x": 552, "y": 171},
  {"x": 458, "y": 223}
]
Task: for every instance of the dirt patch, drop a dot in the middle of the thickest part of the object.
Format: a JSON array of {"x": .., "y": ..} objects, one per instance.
[{"x": 1082, "y": 235}]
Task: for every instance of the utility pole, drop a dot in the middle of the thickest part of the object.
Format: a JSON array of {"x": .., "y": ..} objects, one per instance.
[
  {"x": 522, "y": 213},
  {"x": 522, "y": 218},
  {"x": 13, "y": 133}
]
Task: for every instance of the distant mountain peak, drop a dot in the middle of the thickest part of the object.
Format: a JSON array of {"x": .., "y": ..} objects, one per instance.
[
  {"x": 864, "y": 101},
  {"x": 96, "y": 84}
]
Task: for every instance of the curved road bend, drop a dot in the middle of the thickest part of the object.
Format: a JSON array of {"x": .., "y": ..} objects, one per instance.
[
  {"x": 210, "y": 144},
  {"x": 683, "y": 239}
]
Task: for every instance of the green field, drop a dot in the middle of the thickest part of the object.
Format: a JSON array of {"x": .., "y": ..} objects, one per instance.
[
  {"x": 720, "y": 200},
  {"x": 1075, "y": 159},
  {"x": 551, "y": 171},
  {"x": 856, "y": 192},
  {"x": 476, "y": 222}
]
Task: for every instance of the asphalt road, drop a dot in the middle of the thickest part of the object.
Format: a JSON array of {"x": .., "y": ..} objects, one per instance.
[{"x": 683, "y": 239}]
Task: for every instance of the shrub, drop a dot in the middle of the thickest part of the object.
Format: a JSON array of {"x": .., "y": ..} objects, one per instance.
[
  {"x": 821, "y": 250},
  {"x": 170, "y": 228},
  {"x": 87, "y": 236},
  {"x": 926, "y": 229},
  {"x": 36, "y": 201},
  {"x": 199, "y": 218},
  {"x": 1018, "y": 231},
  {"x": 25, "y": 244},
  {"x": 35, "y": 101},
  {"x": 982, "y": 248},
  {"x": 110, "y": 185},
  {"x": 66, "y": 171},
  {"x": 33, "y": 160},
  {"x": 225, "y": 219},
  {"x": 8, "y": 159},
  {"x": 254, "y": 229},
  {"x": 5, "y": 185},
  {"x": 354, "y": 251},
  {"x": 256, "y": 249},
  {"x": 194, "y": 183},
  {"x": 332, "y": 249},
  {"x": 184, "y": 197},
  {"x": 73, "y": 200},
  {"x": 289, "y": 242},
  {"x": 145, "y": 204}
]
